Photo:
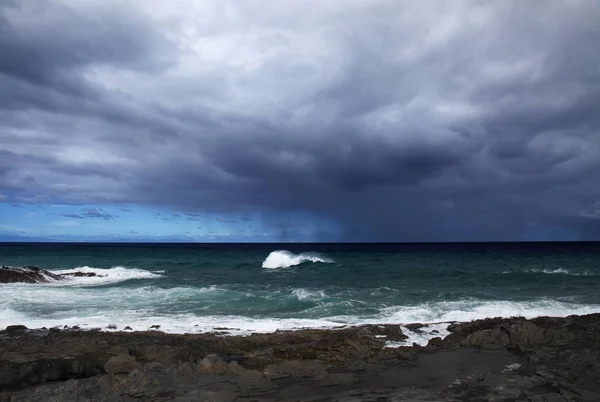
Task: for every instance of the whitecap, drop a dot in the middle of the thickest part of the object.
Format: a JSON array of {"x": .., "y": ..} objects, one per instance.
[
  {"x": 306, "y": 294},
  {"x": 104, "y": 276},
  {"x": 286, "y": 259},
  {"x": 557, "y": 271}
]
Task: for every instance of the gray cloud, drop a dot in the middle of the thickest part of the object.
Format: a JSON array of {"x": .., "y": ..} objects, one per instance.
[
  {"x": 378, "y": 121},
  {"x": 91, "y": 213},
  {"x": 227, "y": 221}
]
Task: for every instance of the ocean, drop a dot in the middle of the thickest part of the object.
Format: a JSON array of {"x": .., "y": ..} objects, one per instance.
[{"x": 246, "y": 288}]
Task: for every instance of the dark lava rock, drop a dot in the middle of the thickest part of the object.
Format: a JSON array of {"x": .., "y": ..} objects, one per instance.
[
  {"x": 16, "y": 328},
  {"x": 26, "y": 275},
  {"x": 121, "y": 364},
  {"x": 435, "y": 342},
  {"x": 522, "y": 334},
  {"x": 35, "y": 275},
  {"x": 128, "y": 328},
  {"x": 414, "y": 327},
  {"x": 78, "y": 274},
  {"x": 62, "y": 355},
  {"x": 559, "y": 359}
]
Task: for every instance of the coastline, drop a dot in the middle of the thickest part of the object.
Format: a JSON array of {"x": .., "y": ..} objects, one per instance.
[{"x": 493, "y": 359}]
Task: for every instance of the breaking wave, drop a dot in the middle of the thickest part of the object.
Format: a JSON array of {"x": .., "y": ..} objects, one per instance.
[
  {"x": 558, "y": 271},
  {"x": 305, "y": 294},
  {"x": 104, "y": 276},
  {"x": 286, "y": 259},
  {"x": 98, "y": 310}
]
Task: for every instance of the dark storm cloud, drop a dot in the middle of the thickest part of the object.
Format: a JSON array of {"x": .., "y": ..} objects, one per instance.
[
  {"x": 377, "y": 121},
  {"x": 45, "y": 42}
]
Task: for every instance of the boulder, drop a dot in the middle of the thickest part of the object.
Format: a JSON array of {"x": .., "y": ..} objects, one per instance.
[
  {"x": 16, "y": 328},
  {"x": 212, "y": 364},
  {"x": 26, "y": 275},
  {"x": 416, "y": 327},
  {"x": 121, "y": 364}
]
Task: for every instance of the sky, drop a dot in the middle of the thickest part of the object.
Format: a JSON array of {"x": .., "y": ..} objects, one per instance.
[{"x": 299, "y": 120}]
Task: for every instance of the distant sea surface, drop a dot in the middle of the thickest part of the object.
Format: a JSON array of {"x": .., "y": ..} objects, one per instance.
[{"x": 264, "y": 287}]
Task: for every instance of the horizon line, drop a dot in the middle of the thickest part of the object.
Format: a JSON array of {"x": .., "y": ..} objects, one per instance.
[{"x": 300, "y": 242}]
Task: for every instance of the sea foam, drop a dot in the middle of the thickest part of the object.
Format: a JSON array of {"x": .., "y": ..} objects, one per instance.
[
  {"x": 104, "y": 276},
  {"x": 200, "y": 309},
  {"x": 286, "y": 259},
  {"x": 557, "y": 271},
  {"x": 306, "y": 294}
]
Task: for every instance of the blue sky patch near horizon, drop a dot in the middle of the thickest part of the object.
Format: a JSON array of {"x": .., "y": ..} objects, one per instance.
[{"x": 63, "y": 222}]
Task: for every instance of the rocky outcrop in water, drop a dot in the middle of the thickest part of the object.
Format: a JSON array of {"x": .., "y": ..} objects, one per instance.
[
  {"x": 545, "y": 359},
  {"x": 26, "y": 275},
  {"x": 35, "y": 275}
]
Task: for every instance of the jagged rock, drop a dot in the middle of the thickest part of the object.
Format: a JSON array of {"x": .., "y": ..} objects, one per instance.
[
  {"x": 121, "y": 364},
  {"x": 521, "y": 334},
  {"x": 78, "y": 274},
  {"x": 508, "y": 359},
  {"x": 29, "y": 274},
  {"x": 15, "y": 328},
  {"x": 212, "y": 364},
  {"x": 436, "y": 342},
  {"x": 416, "y": 327},
  {"x": 26, "y": 275}
]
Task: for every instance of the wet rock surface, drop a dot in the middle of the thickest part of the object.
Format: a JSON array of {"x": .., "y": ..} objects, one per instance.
[
  {"x": 544, "y": 359},
  {"x": 26, "y": 275},
  {"x": 35, "y": 275}
]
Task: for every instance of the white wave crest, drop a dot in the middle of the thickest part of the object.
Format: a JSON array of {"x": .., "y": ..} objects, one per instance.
[
  {"x": 104, "y": 276},
  {"x": 475, "y": 309},
  {"x": 420, "y": 336},
  {"x": 558, "y": 271},
  {"x": 286, "y": 259},
  {"x": 305, "y": 294}
]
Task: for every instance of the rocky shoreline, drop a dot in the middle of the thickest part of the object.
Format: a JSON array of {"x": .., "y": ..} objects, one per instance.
[{"x": 542, "y": 359}]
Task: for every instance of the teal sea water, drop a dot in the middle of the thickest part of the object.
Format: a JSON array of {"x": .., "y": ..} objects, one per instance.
[{"x": 261, "y": 288}]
